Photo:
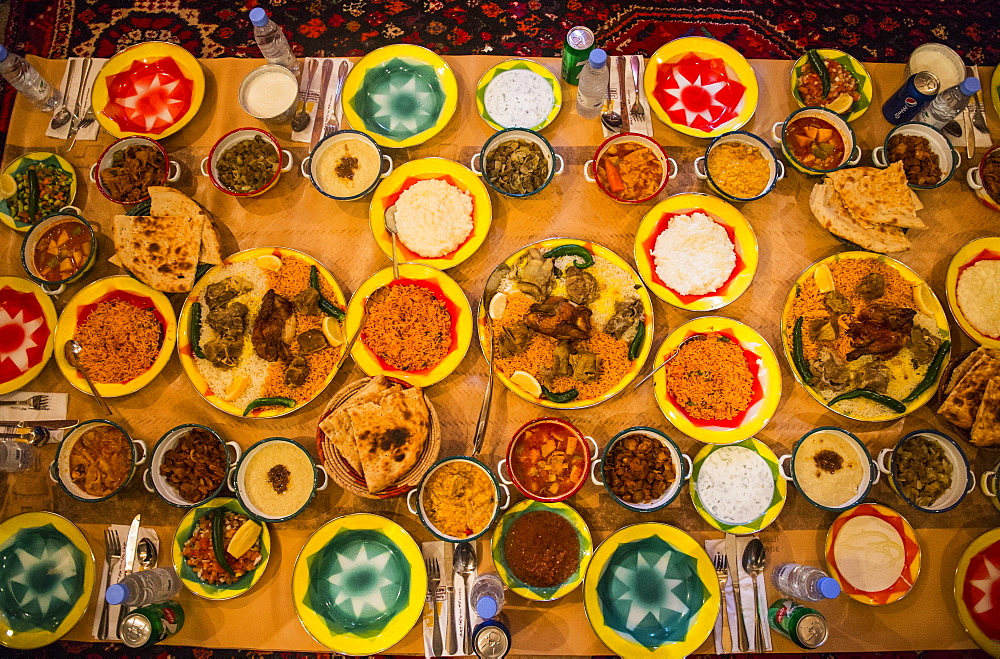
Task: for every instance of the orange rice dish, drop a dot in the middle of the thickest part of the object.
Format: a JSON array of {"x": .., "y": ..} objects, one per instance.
[
  {"x": 120, "y": 341},
  {"x": 410, "y": 328},
  {"x": 709, "y": 378}
]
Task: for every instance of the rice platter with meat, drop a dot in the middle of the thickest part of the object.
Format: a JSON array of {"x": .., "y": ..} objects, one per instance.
[
  {"x": 433, "y": 217},
  {"x": 735, "y": 485},
  {"x": 978, "y": 293},
  {"x": 694, "y": 255}
]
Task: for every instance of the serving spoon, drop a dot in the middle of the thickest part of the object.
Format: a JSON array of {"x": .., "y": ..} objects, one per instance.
[
  {"x": 72, "y": 351},
  {"x": 666, "y": 361},
  {"x": 390, "y": 226},
  {"x": 375, "y": 296},
  {"x": 754, "y": 559}
]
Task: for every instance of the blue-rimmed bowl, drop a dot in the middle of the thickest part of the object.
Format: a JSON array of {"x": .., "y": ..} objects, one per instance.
[
  {"x": 852, "y": 152},
  {"x": 59, "y": 470},
  {"x": 324, "y": 145},
  {"x": 237, "y": 479},
  {"x": 775, "y": 166},
  {"x": 154, "y": 482},
  {"x": 681, "y": 462},
  {"x": 963, "y": 480},
  {"x": 553, "y": 160},
  {"x": 869, "y": 472},
  {"x": 34, "y": 234},
  {"x": 948, "y": 158},
  {"x": 416, "y": 503}
]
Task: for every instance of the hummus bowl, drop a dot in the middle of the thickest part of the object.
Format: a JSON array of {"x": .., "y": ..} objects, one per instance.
[
  {"x": 276, "y": 479},
  {"x": 831, "y": 468}
]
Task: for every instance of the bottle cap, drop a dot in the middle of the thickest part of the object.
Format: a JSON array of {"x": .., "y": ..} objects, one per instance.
[
  {"x": 258, "y": 16},
  {"x": 970, "y": 86},
  {"x": 3, "y": 53},
  {"x": 116, "y": 594},
  {"x": 486, "y": 607},
  {"x": 598, "y": 58},
  {"x": 828, "y": 587}
]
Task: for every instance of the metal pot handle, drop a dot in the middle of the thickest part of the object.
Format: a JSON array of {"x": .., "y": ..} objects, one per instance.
[
  {"x": 410, "y": 505},
  {"x": 145, "y": 453},
  {"x": 780, "y": 166},
  {"x": 878, "y": 474},
  {"x": 776, "y": 131},
  {"x": 472, "y": 163},
  {"x": 587, "y": 166},
  {"x": 237, "y": 452},
  {"x": 856, "y": 154},
  {"x": 782, "y": 466},
  {"x": 884, "y": 466},
  {"x": 173, "y": 177},
  {"x": 386, "y": 158},
  {"x": 147, "y": 480},
  {"x": 878, "y": 157},
  {"x": 326, "y": 478},
  {"x": 973, "y": 179},
  {"x": 204, "y": 165},
  {"x": 507, "y": 497},
  {"x": 593, "y": 477},
  {"x": 671, "y": 168},
  {"x": 305, "y": 163},
  {"x": 987, "y": 477},
  {"x": 700, "y": 160},
  {"x": 52, "y": 472},
  {"x": 501, "y": 468},
  {"x": 231, "y": 480},
  {"x": 972, "y": 481},
  {"x": 291, "y": 160},
  {"x": 688, "y": 466},
  {"x": 562, "y": 164}
]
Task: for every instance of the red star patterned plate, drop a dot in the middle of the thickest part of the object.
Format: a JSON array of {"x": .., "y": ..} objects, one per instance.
[
  {"x": 27, "y": 324},
  {"x": 977, "y": 591},
  {"x": 151, "y": 89},
  {"x": 701, "y": 87}
]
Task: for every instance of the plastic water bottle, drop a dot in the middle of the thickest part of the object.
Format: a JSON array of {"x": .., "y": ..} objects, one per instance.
[
  {"x": 950, "y": 103},
  {"x": 593, "y": 85},
  {"x": 16, "y": 456},
  {"x": 144, "y": 587},
  {"x": 486, "y": 596},
  {"x": 272, "y": 42},
  {"x": 805, "y": 582},
  {"x": 26, "y": 79}
]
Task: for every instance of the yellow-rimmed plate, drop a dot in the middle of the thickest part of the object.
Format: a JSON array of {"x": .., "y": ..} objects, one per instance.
[
  {"x": 501, "y": 71},
  {"x": 931, "y": 306},
  {"x": 27, "y": 328},
  {"x": 449, "y": 171},
  {"x": 765, "y": 393},
  {"x": 882, "y": 538},
  {"x": 981, "y": 249},
  {"x": 15, "y": 183},
  {"x": 775, "y": 502},
  {"x": 445, "y": 289},
  {"x": 359, "y": 584},
  {"x": 400, "y": 95},
  {"x": 700, "y": 86},
  {"x": 46, "y": 579},
  {"x": 856, "y": 69},
  {"x": 152, "y": 89},
  {"x": 191, "y": 580},
  {"x": 184, "y": 351},
  {"x": 134, "y": 292},
  {"x": 977, "y": 582},
  {"x": 643, "y": 339},
  {"x": 651, "y": 592},
  {"x": 500, "y": 559},
  {"x": 722, "y": 213}
]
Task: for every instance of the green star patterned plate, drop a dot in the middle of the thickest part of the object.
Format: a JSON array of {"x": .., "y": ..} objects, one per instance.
[
  {"x": 359, "y": 584},
  {"x": 46, "y": 579},
  {"x": 651, "y": 591},
  {"x": 400, "y": 95}
]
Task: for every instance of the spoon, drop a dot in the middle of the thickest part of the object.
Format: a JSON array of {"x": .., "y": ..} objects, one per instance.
[
  {"x": 463, "y": 562},
  {"x": 72, "y": 351},
  {"x": 375, "y": 296},
  {"x": 147, "y": 553},
  {"x": 667, "y": 360},
  {"x": 301, "y": 118},
  {"x": 754, "y": 559},
  {"x": 62, "y": 115},
  {"x": 611, "y": 119},
  {"x": 36, "y": 436},
  {"x": 390, "y": 226}
]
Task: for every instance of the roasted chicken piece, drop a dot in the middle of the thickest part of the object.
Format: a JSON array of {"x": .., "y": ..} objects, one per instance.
[
  {"x": 880, "y": 330},
  {"x": 269, "y": 330},
  {"x": 559, "y": 318}
]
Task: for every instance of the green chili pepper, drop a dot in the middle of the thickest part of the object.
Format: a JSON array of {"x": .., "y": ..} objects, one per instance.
[
  {"x": 201, "y": 270},
  {"x": 798, "y": 354},
  {"x": 818, "y": 65},
  {"x": 195, "y": 330},
  {"x": 219, "y": 539},
  {"x": 267, "y": 402},
  {"x": 327, "y": 307},
  {"x": 888, "y": 401},
  {"x": 560, "y": 397},
  {"x": 635, "y": 347},
  {"x": 586, "y": 258},
  {"x": 32, "y": 195},
  {"x": 932, "y": 372}
]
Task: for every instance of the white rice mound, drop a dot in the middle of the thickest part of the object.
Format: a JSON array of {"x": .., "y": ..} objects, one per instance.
[
  {"x": 978, "y": 292},
  {"x": 694, "y": 255},
  {"x": 433, "y": 217}
]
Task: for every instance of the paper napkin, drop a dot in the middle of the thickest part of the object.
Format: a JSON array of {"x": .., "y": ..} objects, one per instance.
[
  {"x": 714, "y": 547},
  {"x": 70, "y": 89},
  {"x": 645, "y": 127},
  {"x": 57, "y": 409},
  {"x": 116, "y": 576},
  {"x": 312, "y": 98}
]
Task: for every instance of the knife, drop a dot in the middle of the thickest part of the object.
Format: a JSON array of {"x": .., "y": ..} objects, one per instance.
[
  {"x": 324, "y": 87},
  {"x": 51, "y": 425},
  {"x": 980, "y": 107},
  {"x": 970, "y": 132},
  {"x": 74, "y": 124},
  {"x": 622, "y": 96},
  {"x": 131, "y": 543},
  {"x": 732, "y": 553}
]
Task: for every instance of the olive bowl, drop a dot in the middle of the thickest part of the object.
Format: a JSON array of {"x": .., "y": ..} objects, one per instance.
[
  {"x": 60, "y": 470},
  {"x": 210, "y": 164},
  {"x": 963, "y": 480},
  {"x": 155, "y": 482},
  {"x": 553, "y": 160},
  {"x": 681, "y": 463}
]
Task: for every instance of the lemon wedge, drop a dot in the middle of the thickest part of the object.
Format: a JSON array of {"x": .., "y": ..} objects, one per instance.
[
  {"x": 8, "y": 186},
  {"x": 924, "y": 299},
  {"x": 841, "y": 104},
  {"x": 527, "y": 382},
  {"x": 333, "y": 332},
  {"x": 269, "y": 262},
  {"x": 243, "y": 539},
  {"x": 497, "y": 306},
  {"x": 824, "y": 279},
  {"x": 235, "y": 388}
]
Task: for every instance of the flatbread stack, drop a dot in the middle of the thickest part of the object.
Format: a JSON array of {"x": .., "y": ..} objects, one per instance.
[
  {"x": 972, "y": 397},
  {"x": 163, "y": 249},
  {"x": 380, "y": 430},
  {"x": 867, "y": 206}
]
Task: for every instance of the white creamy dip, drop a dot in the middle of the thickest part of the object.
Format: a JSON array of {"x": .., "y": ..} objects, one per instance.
[
  {"x": 735, "y": 485},
  {"x": 519, "y": 98},
  {"x": 269, "y": 94}
]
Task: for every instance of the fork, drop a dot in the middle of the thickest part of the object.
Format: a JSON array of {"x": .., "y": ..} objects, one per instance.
[
  {"x": 112, "y": 552},
  {"x": 721, "y": 563},
  {"x": 39, "y": 402},
  {"x": 636, "y": 112},
  {"x": 433, "y": 580}
]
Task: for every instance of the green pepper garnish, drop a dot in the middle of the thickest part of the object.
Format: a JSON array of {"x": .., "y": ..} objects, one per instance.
[
  {"x": 819, "y": 66},
  {"x": 635, "y": 347},
  {"x": 798, "y": 354},
  {"x": 882, "y": 399},
  {"x": 584, "y": 258},
  {"x": 932, "y": 372},
  {"x": 32, "y": 195},
  {"x": 194, "y": 330},
  {"x": 327, "y": 307},
  {"x": 560, "y": 397},
  {"x": 219, "y": 540},
  {"x": 273, "y": 401}
]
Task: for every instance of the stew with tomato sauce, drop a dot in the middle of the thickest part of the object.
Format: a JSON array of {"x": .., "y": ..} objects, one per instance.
[
  {"x": 815, "y": 143},
  {"x": 548, "y": 459},
  {"x": 62, "y": 251}
]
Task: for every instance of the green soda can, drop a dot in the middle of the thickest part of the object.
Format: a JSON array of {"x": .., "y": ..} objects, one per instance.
[
  {"x": 151, "y": 624},
  {"x": 806, "y": 627},
  {"x": 576, "y": 49}
]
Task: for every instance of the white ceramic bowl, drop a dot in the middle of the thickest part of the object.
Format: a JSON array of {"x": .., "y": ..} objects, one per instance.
[
  {"x": 681, "y": 462},
  {"x": 948, "y": 158},
  {"x": 59, "y": 470},
  {"x": 963, "y": 480},
  {"x": 153, "y": 481},
  {"x": 870, "y": 473},
  {"x": 237, "y": 479}
]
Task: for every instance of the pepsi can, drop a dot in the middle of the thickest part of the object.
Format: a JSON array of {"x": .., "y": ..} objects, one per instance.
[{"x": 911, "y": 98}]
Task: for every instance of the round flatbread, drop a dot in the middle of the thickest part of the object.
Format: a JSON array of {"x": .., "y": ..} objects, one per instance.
[{"x": 869, "y": 553}]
